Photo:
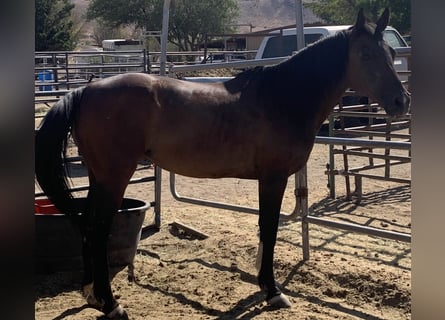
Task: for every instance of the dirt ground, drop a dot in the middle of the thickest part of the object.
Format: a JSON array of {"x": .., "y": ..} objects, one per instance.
[{"x": 179, "y": 276}]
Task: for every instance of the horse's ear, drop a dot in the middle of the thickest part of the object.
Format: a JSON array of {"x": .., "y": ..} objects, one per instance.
[
  {"x": 382, "y": 23},
  {"x": 361, "y": 20}
]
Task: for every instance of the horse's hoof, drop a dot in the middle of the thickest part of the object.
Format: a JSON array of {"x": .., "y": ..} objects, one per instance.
[
  {"x": 117, "y": 313},
  {"x": 279, "y": 301}
]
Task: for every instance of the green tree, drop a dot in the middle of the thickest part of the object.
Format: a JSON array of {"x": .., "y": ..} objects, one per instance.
[
  {"x": 345, "y": 11},
  {"x": 189, "y": 21},
  {"x": 54, "y": 29},
  {"x": 144, "y": 13},
  {"x": 192, "y": 19}
]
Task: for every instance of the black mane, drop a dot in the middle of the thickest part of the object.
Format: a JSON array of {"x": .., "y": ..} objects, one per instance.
[{"x": 311, "y": 71}]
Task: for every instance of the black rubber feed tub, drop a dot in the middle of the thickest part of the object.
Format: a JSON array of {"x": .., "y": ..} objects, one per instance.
[{"x": 58, "y": 245}]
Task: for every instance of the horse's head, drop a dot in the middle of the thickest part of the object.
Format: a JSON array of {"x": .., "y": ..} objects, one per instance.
[{"x": 371, "y": 69}]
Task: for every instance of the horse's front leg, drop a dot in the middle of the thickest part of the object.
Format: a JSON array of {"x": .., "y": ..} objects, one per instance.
[{"x": 271, "y": 191}]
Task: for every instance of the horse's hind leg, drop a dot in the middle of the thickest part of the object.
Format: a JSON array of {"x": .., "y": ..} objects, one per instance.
[
  {"x": 105, "y": 198},
  {"x": 86, "y": 227},
  {"x": 105, "y": 208}
]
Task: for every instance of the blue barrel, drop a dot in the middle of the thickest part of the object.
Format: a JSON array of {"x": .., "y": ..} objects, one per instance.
[{"x": 46, "y": 76}]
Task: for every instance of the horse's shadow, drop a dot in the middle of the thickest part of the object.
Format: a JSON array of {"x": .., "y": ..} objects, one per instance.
[
  {"x": 246, "y": 308},
  {"x": 71, "y": 312},
  {"x": 48, "y": 285},
  {"x": 254, "y": 304},
  {"x": 51, "y": 285}
]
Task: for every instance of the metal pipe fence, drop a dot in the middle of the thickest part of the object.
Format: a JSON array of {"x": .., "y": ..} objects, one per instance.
[
  {"x": 68, "y": 69},
  {"x": 374, "y": 124}
]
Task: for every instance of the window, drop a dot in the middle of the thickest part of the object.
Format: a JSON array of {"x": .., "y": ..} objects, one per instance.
[
  {"x": 281, "y": 46},
  {"x": 393, "y": 39}
]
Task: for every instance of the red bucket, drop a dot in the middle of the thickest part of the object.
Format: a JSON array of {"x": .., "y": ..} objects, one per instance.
[{"x": 44, "y": 206}]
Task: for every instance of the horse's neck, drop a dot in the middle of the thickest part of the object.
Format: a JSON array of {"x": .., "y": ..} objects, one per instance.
[{"x": 318, "y": 74}]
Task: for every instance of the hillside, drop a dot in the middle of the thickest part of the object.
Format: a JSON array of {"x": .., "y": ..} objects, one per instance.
[
  {"x": 261, "y": 14},
  {"x": 265, "y": 14}
]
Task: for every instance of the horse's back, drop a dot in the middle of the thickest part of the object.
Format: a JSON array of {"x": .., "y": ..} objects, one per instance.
[
  {"x": 189, "y": 128},
  {"x": 194, "y": 129}
]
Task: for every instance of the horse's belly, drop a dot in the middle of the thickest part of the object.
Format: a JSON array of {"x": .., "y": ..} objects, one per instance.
[
  {"x": 243, "y": 162},
  {"x": 209, "y": 164}
]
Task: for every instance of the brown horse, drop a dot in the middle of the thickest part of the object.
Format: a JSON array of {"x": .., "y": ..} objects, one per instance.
[{"x": 260, "y": 125}]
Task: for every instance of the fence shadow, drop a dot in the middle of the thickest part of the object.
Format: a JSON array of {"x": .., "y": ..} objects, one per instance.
[
  {"x": 329, "y": 206},
  {"x": 341, "y": 210},
  {"x": 386, "y": 200}
]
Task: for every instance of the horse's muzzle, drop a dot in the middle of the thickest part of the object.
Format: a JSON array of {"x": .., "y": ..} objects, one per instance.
[{"x": 399, "y": 105}]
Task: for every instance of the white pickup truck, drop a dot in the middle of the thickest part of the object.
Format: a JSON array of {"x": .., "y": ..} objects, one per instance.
[{"x": 283, "y": 44}]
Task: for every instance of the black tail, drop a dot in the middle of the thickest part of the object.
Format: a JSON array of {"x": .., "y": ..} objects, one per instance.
[{"x": 50, "y": 151}]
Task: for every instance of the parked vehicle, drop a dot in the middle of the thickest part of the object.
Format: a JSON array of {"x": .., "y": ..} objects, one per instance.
[
  {"x": 284, "y": 43},
  {"x": 122, "y": 44}
]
